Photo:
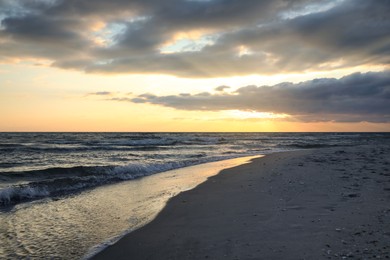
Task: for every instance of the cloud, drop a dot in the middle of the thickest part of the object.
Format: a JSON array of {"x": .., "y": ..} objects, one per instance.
[
  {"x": 221, "y": 88},
  {"x": 101, "y": 93},
  {"x": 108, "y": 95},
  {"x": 244, "y": 37},
  {"x": 353, "y": 98}
]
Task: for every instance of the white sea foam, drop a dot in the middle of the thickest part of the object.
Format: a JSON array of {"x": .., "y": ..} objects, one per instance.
[
  {"x": 96, "y": 176},
  {"x": 9, "y": 195}
]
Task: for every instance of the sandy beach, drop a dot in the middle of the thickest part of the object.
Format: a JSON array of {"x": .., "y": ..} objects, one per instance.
[{"x": 331, "y": 203}]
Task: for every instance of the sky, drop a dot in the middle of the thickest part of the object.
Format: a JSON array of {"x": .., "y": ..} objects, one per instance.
[{"x": 195, "y": 65}]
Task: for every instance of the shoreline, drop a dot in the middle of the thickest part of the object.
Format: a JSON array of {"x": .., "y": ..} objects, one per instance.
[
  {"x": 80, "y": 225},
  {"x": 310, "y": 204},
  {"x": 164, "y": 185},
  {"x": 12, "y": 194}
]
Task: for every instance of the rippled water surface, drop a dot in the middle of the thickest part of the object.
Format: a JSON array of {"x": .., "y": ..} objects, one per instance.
[{"x": 37, "y": 165}]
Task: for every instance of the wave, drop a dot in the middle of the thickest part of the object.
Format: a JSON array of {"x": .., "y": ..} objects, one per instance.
[
  {"x": 65, "y": 149},
  {"x": 55, "y": 182},
  {"x": 112, "y": 145},
  {"x": 311, "y": 145}
]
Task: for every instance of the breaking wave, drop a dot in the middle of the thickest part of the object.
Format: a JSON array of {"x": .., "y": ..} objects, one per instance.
[{"x": 64, "y": 181}]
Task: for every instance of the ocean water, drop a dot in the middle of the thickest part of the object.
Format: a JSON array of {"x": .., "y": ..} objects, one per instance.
[{"x": 61, "y": 194}]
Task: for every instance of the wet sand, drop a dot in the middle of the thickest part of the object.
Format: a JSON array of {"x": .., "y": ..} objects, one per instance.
[{"x": 329, "y": 203}]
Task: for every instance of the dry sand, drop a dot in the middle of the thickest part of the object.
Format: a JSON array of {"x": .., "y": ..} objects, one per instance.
[{"x": 315, "y": 204}]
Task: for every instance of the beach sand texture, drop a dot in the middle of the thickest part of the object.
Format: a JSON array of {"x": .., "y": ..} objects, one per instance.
[{"x": 329, "y": 203}]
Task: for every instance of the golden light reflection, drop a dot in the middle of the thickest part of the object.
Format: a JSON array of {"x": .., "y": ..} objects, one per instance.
[
  {"x": 243, "y": 50},
  {"x": 189, "y": 37},
  {"x": 97, "y": 26}
]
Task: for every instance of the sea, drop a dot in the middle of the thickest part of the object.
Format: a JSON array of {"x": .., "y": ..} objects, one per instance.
[{"x": 68, "y": 195}]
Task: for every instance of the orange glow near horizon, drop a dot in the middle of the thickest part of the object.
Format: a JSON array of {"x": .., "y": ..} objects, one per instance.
[
  {"x": 43, "y": 98},
  {"x": 254, "y": 115}
]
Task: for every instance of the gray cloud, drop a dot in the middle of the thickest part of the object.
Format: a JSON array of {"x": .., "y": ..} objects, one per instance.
[
  {"x": 101, "y": 93},
  {"x": 115, "y": 96},
  {"x": 353, "y": 32},
  {"x": 354, "y": 98},
  {"x": 221, "y": 88}
]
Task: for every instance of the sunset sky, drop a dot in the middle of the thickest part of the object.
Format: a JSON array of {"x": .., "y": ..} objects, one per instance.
[{"x": 195, "y": 65}]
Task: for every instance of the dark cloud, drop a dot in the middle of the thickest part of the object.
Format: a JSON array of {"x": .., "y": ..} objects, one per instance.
[
  {"x": 264, "y": 37},
  {"x": 26, "y": 32},
  {"x": 357, "y": 97},
  {"x": 54, "y": 37}
]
